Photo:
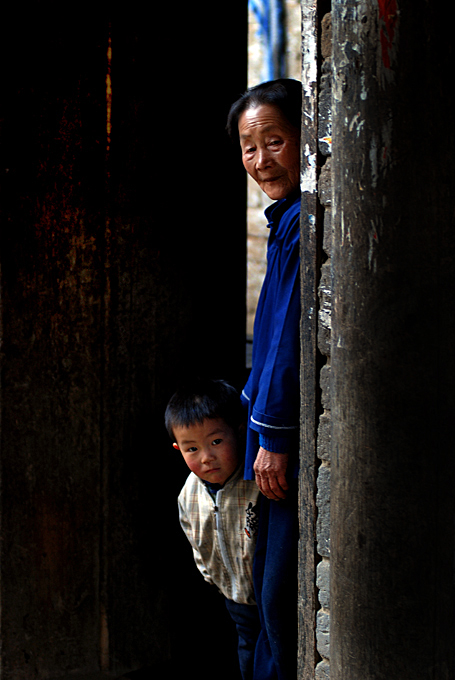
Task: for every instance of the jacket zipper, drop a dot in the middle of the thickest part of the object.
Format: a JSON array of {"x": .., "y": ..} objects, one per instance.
[{"x": 221, "y": 537}]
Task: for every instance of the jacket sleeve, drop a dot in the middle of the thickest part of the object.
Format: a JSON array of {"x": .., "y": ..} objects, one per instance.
[
  {"x": 275, "y": 414},
  {"x": 187, "y": 528}
]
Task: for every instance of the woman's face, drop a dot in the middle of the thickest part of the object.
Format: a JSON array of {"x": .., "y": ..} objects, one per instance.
[{"x": 270, "y": 150}]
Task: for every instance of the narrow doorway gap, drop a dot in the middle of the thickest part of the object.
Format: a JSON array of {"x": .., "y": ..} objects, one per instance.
[{"x": 257, "y": 201}]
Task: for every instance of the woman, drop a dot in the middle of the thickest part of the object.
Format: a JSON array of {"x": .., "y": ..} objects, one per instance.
[{"x": 266, "y": 120}]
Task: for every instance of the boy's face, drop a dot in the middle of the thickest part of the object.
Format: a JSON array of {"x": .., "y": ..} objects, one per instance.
[{"x": 210, "y": 449}]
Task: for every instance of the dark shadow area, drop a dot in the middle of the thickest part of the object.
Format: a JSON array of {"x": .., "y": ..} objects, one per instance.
[
  {"x": 116, "y": 263},
  {"x": 205, "y": 638}
]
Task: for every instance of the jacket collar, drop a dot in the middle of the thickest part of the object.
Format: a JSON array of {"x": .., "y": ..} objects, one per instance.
[{"x": 275, "y": 211}]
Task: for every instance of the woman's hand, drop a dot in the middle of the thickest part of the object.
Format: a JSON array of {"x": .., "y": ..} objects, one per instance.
[{"x": 270, "y": 470}]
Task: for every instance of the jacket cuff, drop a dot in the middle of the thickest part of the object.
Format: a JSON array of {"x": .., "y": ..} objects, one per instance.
[{"x": 276, "y": 444}]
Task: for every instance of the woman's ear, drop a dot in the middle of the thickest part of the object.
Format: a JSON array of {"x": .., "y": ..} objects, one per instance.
[{"x": 176, "y": 446}]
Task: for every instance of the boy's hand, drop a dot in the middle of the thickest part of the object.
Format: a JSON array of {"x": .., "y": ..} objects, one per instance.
[{"x": 270, "y": 471}]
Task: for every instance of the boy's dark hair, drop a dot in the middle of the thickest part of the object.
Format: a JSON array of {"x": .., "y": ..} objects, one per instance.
[
  {"x": 201, "y": 400},
  {"x": 284, "y": 93}
]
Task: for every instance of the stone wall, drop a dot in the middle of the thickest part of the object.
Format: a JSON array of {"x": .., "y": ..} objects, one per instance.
[{"x": 324, "y": 337}]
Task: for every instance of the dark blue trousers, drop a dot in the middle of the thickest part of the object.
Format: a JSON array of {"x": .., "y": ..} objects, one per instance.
[
  {"x": 275, "y": 584},
  {"x": 246, "y": 619}
]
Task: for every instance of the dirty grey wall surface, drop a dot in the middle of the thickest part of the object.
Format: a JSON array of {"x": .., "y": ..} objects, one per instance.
[
  {"x": 117, "y": 279},
  {"x": 322, "y": 670},
  {"x": 392, "y": 503},
  {"x": 386, "y": 399}
]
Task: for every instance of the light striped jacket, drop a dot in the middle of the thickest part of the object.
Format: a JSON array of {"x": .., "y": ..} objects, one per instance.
[{"x": 222, "y": 532}]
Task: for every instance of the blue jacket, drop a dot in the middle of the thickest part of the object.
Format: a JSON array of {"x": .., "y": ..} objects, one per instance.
[{"x": 272, "y": 392}]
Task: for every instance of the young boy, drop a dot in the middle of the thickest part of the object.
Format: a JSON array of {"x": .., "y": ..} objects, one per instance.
[{"x": 218, "y": 509}]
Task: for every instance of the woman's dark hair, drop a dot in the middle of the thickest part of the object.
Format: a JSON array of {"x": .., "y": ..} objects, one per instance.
[
  {"x": 203, "y": 399},
  {"x": 284, "y": 93}
]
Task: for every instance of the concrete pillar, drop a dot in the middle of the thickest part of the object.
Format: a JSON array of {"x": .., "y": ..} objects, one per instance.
[{"x": 393, "y": 391}]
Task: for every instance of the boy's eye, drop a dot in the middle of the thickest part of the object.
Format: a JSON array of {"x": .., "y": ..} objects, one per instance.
[
  {"x": 216, "y": 442},
  {"x": 192, "y": 449}
]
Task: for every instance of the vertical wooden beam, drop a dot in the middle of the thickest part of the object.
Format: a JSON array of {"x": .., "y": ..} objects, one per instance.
[
  {"x": 112, "y": 268},
  {"x": 308, "y": 249}
]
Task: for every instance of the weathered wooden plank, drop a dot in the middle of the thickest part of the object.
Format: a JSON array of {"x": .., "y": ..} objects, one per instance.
[{"x": 113, "y": 269}]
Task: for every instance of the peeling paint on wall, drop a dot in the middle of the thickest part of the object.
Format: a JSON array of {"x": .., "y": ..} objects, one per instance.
[
  {"x": 327, "y": 140},
  {"x": 357, "y": 123},
  {"x": 373, "y": 238},
  {"x": 388, "y": 17},
  {"x": 363, "y": 91},
  {"x": 309, "y": 51},
  {"x": 308, "y": 175}
]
